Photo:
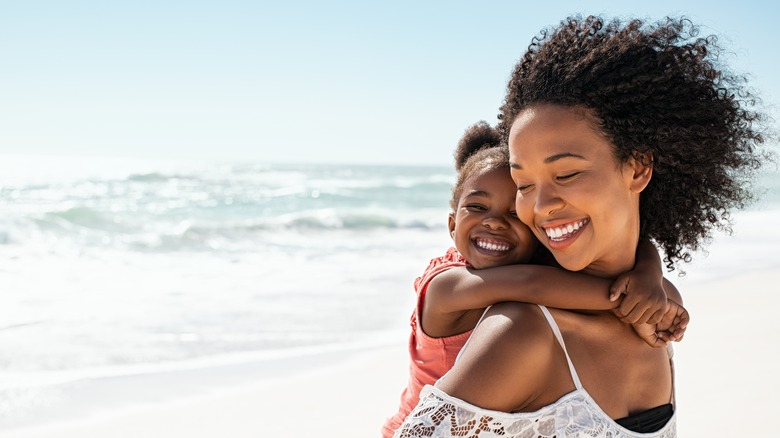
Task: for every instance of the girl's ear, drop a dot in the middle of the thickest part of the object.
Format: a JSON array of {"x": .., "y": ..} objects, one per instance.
[
  {"x": 642, "y": 170},
  {"x": 451, "y": 224}
]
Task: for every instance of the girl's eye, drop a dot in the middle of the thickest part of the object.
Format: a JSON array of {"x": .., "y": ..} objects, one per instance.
[
  {"x": 513, "y": 214},
  {"x": 477, "y": 207}
]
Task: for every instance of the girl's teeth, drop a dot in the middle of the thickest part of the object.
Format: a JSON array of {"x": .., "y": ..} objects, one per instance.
[{"x": 492, "y": 246}]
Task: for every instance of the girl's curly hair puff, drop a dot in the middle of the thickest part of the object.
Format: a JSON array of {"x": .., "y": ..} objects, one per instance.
[
  {"x": 654, "y": 89},
  {"x": 478, "y": 151}
]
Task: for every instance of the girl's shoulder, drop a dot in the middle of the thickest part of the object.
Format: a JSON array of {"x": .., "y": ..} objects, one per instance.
[{"x": 451, "y": 259}]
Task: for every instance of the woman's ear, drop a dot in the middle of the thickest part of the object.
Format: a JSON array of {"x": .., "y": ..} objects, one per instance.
[
  {"x": 451, "y": 224},
  {"x": 642, "y": 170}
]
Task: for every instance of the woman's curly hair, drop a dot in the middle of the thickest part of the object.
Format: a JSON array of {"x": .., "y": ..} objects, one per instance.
[
  {"x": 479, "y": 150},
  {"x": 657, "y": 89}
]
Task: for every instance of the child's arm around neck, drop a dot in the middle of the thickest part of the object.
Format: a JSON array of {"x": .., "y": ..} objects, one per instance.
[{"x": 455, "y": 299}]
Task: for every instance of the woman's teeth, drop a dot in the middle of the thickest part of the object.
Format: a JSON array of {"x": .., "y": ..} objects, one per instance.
[{"x": 563, "y": 232}]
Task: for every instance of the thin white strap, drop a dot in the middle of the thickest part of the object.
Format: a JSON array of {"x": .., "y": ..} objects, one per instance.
[
  {"x": 475, "y": 327},
  {"x": 557, "y": 333},
  {"x": 670, "y": 350}
]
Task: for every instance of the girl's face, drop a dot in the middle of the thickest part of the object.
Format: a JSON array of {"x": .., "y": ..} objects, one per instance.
[
  {"x": 578, "y": 200},
  {"x": 485, "y": 227}
]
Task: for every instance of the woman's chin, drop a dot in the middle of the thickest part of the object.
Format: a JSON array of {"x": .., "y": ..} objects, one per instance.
[{"x": 570, "y": 263}]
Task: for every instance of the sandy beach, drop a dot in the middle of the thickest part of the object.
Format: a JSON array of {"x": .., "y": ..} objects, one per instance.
[
  {"x": 326, "y": 400},
  {"x": 725, "y": 369}
]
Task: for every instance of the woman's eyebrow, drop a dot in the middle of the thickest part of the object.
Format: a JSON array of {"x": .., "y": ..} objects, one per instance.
[
  {"x": 551, "y": 159},
  {"x": 562, "y": 155}
]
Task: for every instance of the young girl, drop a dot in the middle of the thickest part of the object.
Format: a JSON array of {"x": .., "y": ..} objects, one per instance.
[{"x": 452, "y": 295}]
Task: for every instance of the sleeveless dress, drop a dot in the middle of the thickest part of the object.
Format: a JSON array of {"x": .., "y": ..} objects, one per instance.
[
  {"x": 429, "y": 358},
  {"x": 575, "y": 414}
]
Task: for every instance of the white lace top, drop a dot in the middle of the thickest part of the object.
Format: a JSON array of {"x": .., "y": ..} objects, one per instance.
[{"x": 575, "y": 414}]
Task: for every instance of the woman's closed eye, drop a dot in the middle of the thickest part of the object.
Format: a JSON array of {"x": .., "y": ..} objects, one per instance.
[{"x": 567, "y": 176}]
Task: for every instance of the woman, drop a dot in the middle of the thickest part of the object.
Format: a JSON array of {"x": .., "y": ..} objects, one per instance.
[{"x": 617, "y": 132}]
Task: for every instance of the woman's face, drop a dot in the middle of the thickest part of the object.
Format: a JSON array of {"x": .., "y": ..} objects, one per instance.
[
  {"x": 579, "y": 201},
  {"x": 485, "y": 227}
]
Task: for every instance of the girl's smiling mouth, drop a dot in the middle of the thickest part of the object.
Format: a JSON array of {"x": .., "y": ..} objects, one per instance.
[{"x": 492, "y": 245}]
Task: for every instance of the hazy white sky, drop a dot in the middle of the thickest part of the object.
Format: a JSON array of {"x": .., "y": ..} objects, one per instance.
[{"x": 339, "y": 81}]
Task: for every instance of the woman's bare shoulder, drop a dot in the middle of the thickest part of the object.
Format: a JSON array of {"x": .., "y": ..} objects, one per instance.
[
  {"x": 507, "y": 359},
  {"x": 595, "y": 326},
  {"x": 617, "y": 368}
]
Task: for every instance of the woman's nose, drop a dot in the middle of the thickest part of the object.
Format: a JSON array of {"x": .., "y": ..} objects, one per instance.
[{"x": 547, "y": 201}]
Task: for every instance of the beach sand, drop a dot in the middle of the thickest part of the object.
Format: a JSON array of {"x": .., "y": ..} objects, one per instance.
[{"x": 725, "y": 373}]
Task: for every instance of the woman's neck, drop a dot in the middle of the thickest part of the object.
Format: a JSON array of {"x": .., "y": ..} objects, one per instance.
[{"x": 615, "y": 263}]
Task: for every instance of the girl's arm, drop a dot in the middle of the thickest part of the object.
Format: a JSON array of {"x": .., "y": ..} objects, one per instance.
[
  {"x": 672, "y": 324},
  {"x": 455, "y": 298},
  {"x": 460, "y": 289},
  {"x": 645, "y": 294}
]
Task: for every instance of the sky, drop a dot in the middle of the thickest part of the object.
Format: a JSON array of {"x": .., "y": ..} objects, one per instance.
[{"x": 296, "y": 82}]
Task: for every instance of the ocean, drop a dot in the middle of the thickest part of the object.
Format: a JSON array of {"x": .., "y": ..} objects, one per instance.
[{"x": 112, "y": 269}]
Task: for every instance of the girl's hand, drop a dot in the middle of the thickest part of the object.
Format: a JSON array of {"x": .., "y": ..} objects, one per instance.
[
  {"x": 643, "y": 297},
  {"x": 671, "y": 326}
]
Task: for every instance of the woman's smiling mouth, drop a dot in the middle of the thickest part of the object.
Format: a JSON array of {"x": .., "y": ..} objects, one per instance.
[{"x": 563, "y": 232}]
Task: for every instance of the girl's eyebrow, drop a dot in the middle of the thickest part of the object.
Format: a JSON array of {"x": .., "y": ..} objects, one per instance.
[
  {"x": 551, "y": 159},
  {"x": 477, "y": 193}
]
